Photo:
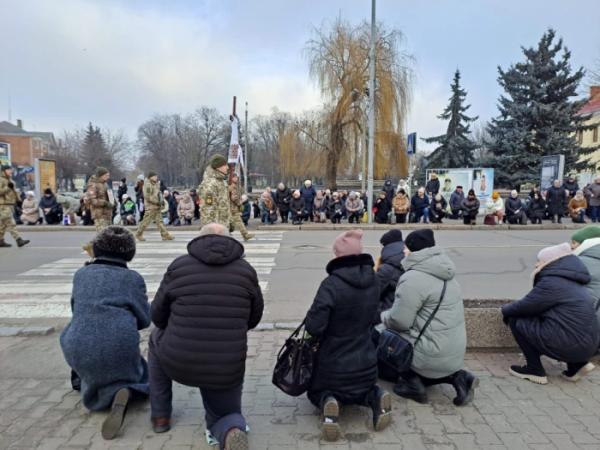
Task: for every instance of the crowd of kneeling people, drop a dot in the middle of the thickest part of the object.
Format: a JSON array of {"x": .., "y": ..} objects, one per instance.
[
  {"x": 210, "y": 298},
  {"x": 429, "y": 204}
]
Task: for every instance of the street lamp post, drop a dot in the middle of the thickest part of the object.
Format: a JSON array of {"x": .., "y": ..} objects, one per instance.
[
  {"x": 371, "y": 149},
  {"x": 246, "y": 141}
]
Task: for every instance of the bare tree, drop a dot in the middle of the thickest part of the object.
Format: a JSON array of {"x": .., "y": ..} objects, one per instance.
[{"x": 594, "y": 73}]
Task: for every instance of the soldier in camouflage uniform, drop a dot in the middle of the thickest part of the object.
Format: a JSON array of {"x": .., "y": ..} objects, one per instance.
[
  {"x": 8, "y": 199},
  {"x": 153, "y": 202},
  {"x": 101, "y": 202},
  {"x": 235, "y": 198},
  {"x": 214, "y": 193}
]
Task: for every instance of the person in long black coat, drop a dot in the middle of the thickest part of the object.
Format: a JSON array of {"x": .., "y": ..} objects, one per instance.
[
  {"x": 341, "y": 319},
  {"x": 556, "y": 201},
  {"x": 383, "y": 206},
  {"x": 536, "y": 209},
  {"x": 205, "y": 305},
  {"x": 389, "y": 269},
  {"x": 556, "y": 318},
  {"x": 433, "y": 185},
  {"x": 283, "y": 196}
]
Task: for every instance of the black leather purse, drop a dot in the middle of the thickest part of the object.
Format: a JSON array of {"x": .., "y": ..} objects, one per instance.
[
  {"x": 295, "y": 361},
  {"x": 395, "y": 353}
]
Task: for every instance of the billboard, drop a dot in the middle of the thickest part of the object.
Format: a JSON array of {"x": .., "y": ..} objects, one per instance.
[
  {"x": 481, "y": 180},
  {"x": 5, "y": 153},
  {"x": 553, "y": 168},
  {"x": 45, "y": 176}
]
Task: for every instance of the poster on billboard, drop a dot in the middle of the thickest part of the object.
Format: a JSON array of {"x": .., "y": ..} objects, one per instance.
[
  {"x": 481, "y": 180},
  {"x": 5, "y": 153},
  {"x": 45, "y": 176},
  {"x": 553, "y": 168}
]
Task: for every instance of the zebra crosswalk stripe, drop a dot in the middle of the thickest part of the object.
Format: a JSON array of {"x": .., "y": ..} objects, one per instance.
[{"x": 45, "y": 291}]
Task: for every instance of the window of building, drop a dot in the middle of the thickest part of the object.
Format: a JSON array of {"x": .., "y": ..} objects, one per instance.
[
  {"x": 579, "y": 137},
  {"x": 595, "y": 134}
]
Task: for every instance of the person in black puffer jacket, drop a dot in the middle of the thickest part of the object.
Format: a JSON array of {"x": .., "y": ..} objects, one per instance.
[
  {"x": 204, "y": 307},
  {"x": 557, "y": 317},
  {"x": 389, "y": 269},
  {"x": 341, "y": 319}
]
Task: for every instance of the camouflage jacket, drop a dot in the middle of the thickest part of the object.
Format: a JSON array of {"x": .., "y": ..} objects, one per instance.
[
  {"x": 8, "y": 195},
  {"x": 214, "y": 194},
  {"x": 98, "y": 199},
  {"x": 153, "y": 199}
]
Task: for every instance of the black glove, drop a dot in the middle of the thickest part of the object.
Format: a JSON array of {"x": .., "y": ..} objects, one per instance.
[
  {"x": 505, "y": 319},
  {"x": 11, "y": 185}
]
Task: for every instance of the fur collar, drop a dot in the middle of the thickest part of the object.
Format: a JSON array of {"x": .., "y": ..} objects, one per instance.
[{"x": 363, "y": 259}]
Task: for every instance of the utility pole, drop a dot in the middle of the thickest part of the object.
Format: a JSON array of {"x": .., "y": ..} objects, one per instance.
[
  {"x": 247, "y": 147},
  {"x": 371, "y": 113}
]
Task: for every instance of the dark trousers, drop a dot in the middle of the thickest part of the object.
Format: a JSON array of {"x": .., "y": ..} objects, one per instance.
[
  {"x": 401, "y": 218},
  {"x": 469, "y": 219},
  {"x": 456, "y": 214},
  {"x": 533, "y": 354},
  {"x": 223, "y": 408},
  {"x": 369, "y": 398}
]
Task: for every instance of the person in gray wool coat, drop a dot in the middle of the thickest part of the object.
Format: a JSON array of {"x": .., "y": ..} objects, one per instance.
[{"x": 101, "y": 344}]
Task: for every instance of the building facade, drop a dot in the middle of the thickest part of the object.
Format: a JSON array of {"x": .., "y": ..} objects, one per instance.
[
  {"x": 591, "y": 137},
  {"x": 25, "y": 146}
]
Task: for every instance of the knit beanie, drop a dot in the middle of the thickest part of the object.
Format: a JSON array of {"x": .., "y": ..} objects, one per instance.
[
  {"x": 101, "y": 171},
  {"x": 496, "y": 195},
  {"x": 5, "y": 167},
  {"x": 589, "y": 232},
  {"x": 555, "y": 252},
  {"x": 151, "y": 174},
  {"x": 217, "y": 161},
  {"x": 114, "y": 242},
  {"x": 394, "y": 235},
  {"x": 348, "y": 243},
  {"x": 419, "y": 240}
]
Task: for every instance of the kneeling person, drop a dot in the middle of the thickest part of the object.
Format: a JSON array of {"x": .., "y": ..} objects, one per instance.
[{"x": 204, "y": 307}]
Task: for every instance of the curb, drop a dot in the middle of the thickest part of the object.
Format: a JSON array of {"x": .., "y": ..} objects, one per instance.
[
  {"x": 447, "y": 227},
  {"x": 25, "y": 331}
]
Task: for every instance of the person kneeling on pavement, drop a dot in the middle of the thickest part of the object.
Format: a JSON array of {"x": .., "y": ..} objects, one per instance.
[
  {"x": 204, "y": 307},
  {"x": 101, "y": 344},
  {"x": 340, "y": 319},
  {"x": 556, "y": 318},
  {"x": 515, "y": 209},
  {"x": 389, "y": 269},
  {"x": 438, "y": 356}
]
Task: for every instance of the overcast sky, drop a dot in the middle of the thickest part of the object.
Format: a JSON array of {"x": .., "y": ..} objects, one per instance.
[{"x": 118, "y": 62}]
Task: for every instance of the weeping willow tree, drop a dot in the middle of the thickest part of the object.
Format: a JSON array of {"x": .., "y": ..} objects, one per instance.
[{"x": 339, "y": 63}]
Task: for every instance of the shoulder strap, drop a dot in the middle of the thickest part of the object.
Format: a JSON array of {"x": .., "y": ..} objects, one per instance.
[{"x": 432, "y": 314}]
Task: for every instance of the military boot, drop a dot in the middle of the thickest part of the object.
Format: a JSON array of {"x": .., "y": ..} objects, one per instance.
[
  {"x": 248, "y": 236},
  {"x": 89, "y": 249},
  {"x": 21, "y": 242},
  {"x": 168, "y": 237},
  {"x": 3, "y": 243},
  {"x": 140, "y": 237}
]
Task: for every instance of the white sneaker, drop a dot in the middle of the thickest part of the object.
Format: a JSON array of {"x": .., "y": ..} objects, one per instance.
[{"x": 580, "y": 373}]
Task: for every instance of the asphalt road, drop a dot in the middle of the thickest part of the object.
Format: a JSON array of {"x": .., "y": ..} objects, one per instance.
[{"x": 490, "y": 264}]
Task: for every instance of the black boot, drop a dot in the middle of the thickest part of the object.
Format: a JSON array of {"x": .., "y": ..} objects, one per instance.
[
  {"x": 411, "y": 387},
  {"x": 465, "y": 384},
  {"x": 3, "y": 243},
  {"x": 381, "y": 405},
  {"x": 22, "y": 242}
]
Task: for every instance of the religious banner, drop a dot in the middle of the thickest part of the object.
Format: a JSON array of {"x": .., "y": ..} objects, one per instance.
[{"x": 235, "y": 155}]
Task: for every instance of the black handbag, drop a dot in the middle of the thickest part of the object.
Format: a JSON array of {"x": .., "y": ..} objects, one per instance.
[
  {"x": 394, "y": 352},
  {"x": 295, "y": 361}
]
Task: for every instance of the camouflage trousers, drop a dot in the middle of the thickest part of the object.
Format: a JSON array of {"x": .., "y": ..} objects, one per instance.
[
  {"x": 236, "y": 223},
  {"x": 7, "y": 222},
  {"x": 149, "y": 217},
  {"x": 101, "y": 224}
]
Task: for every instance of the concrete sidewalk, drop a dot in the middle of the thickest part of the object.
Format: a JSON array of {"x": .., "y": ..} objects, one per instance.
[{"x": 39, "y": 410}]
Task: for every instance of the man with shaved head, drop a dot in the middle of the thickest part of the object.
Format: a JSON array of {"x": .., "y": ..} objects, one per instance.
[{"x": 204, "y": 307}]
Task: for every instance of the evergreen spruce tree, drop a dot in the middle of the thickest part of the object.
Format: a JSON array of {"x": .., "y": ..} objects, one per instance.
[
  {"x": 94, "y": 151},
  {"x": 537, "y": 117},
  {"x": 456, "y": 148}
]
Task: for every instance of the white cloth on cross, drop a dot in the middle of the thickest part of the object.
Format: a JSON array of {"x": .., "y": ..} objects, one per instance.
[{"x": 236, "y": 152}]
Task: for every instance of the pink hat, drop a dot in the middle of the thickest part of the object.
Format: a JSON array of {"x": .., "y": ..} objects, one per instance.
[
  {"x": 348, "y": 243},
  {"x": 549, "y": 254}
]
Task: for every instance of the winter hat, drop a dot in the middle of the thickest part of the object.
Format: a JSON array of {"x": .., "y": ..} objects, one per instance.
[
  {"x": 114, "y": 242},
  {"x": 151, "y": 174},
  {"x": 348, "y": 243},
  {"x": 589, "y": 232},
  {"x": 419, "y": 240},
  {"x": 217, "y": 161},
  {"x": 471, "y": 192},
  {"x": 394, "y": 235},
  {"x": 549, "y": 254},
  {"x": 101, "y": 171},
  {"x": 5, "y": 167},
  {"x": 496, "y": 195}
]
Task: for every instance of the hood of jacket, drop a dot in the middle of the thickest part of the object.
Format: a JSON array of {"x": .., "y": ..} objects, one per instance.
[
  {"x": 433, "y": 261},
  {"x": 589, "y": 248},
  {"x": 569, "y": 267},
  {"x": 393, "y": 254},
  {"x": 215, "y": 250},
  {"x": 355, "y": 270}
]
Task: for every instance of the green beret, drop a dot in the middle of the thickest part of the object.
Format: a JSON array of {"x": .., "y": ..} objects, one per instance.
[
  {"x": 589, "y": 232},
  {"x": 217, "y": 161}
]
